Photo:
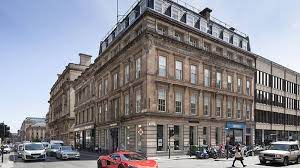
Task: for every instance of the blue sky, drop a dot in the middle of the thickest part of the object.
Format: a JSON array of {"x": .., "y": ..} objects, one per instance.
[{"x": 39, "y": 38}]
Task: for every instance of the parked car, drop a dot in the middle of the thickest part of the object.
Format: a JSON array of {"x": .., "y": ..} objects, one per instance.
[
  {"x": 124, "y": 159},
  {"x": 20, "y": 150},
  {"x": 52, "y": 149},
  {"x": 57, "y": 142},
  {"x": 7, "y": 149},
  {"x": 202, "y": 153},
  {"x": 281, "y": 152},
  {"x": 67, "y": 152},
  {"x": 45, "y": 144},
  {"x": 33, "y": 151}
]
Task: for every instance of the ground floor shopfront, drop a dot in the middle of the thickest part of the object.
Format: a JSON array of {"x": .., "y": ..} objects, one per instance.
[
  {"x": 266, "y": 133},
  {"x": 151, "y": 135},
  {"x": 85, "y": 137}
]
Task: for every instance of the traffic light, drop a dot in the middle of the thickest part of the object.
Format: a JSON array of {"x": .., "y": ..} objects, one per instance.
[{"x": 4, "y": 131}]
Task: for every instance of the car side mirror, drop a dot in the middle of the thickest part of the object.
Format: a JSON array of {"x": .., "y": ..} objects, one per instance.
[{"x": 118, "y": 159}]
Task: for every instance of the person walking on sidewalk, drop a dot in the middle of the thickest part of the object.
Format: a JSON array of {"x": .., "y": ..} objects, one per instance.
[{"x": 238, "y": 155}]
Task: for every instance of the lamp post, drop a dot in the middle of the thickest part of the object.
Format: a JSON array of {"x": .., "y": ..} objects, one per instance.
[{"x": 227, "y": 142}]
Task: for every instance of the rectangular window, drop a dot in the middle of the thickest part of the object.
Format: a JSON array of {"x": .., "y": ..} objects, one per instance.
[
  {"x": 178, "y": 36},
  {"x": 100, "y": 89},
  {"x": 138, "y": 68},
  {"x": 206, "y": 77},
  {"x": 219, "y": 80},
  {"x": 239, "y": 87},
  {"x": 206, "y": 104},
  {"x": 127, "y": 73},
  {"x": 158, "y": 6},
  {"x": 193, "y": 42},
  {"x": 238, "y": 112},
  {"x": 175, "y": 13},
  {"x": 161, "y": 100},
  {"x": 138, "y": 101},
  {"x": 248, "y": 110},
  {"x": 226, "y": 37},
  {"x": 176, "y": 137},
  {"x": 105, "y": 87},
  {"x": 203, "y": 25},
  {"x": 116, "y": 108},
  {"x": 105, "y": 112},
  {"x": 115, "y": 81},
  {"x": 218, "y": 136},
  {"x": 193, "y": 74},
  {"x": 162, "y": 66},
  {"x": 205, "y": 135},
  {"x": 127, "y": 105},
  {"x": 178, "y": 70},
  {"x": 229, "y": 83},
  {"x": 160, "y": 138},
  {"x": 248, "y": 88},
  {"x": 178, "y": 102},
  {"x": 193, "y": 104},
  {"x": 218, "y": 106},
  {"x": 229, "y": 108},
  {"x": 161, "y": 29}
]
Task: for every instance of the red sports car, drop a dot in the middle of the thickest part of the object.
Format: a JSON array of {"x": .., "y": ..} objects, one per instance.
[{"x": 125, "y": 160}]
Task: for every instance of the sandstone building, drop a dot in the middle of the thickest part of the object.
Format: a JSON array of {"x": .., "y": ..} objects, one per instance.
[
  {"x": 60, "y": 118},
  {"x": 33, "y": 129},
  {"x": 167, "y": 67}
]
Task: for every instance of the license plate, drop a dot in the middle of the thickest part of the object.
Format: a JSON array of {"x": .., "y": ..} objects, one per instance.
[{"x": 269, "y": 158}]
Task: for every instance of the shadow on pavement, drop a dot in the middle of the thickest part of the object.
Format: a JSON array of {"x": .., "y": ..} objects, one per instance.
[{"x": 84, "y": 156}]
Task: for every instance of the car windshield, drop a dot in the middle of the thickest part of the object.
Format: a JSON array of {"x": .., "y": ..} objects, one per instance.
[
  {"x": 132, "y": 156},
  {"x": 283, "y": 147},
  {"x": 55, "y": 146},
  {"x": 66, "y": 148},
  {"x": 34, "y": 147}
]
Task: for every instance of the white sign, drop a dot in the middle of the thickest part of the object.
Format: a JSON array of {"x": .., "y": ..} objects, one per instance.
[{"x": 160, "y": 142}]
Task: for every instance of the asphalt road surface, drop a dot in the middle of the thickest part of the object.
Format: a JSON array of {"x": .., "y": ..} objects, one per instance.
[{"x": 88, "y": 160}]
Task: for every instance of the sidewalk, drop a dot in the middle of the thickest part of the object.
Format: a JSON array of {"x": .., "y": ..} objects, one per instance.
[{"x": 7, "y": 163}]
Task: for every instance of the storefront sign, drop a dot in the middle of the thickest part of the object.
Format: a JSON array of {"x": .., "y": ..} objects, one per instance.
[
  {"x": 84, "y": 128},
  {"x": 235, "y": 125},
  {"x": 113, "y": 125}
]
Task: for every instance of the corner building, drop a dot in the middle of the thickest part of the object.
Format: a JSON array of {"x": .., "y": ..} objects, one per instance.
[
  {"x": 277, "y": 104},
  {"x": 165, "y": 67}
]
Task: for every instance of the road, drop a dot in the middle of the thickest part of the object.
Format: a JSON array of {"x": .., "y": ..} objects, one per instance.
[{"x": 88, "y": 160}]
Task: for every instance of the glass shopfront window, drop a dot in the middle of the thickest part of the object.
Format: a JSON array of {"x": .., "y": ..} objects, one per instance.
[{"x": 160, "y": 138}]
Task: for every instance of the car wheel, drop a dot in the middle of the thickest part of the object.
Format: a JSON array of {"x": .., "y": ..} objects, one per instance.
[
  {"x": 298, "y": 160},
  {"x": 99, "y": 164},
  {"x": 121, "y": 166},
  {"x": 262, "y": 162},
  {"x": 286, "y": 161}
]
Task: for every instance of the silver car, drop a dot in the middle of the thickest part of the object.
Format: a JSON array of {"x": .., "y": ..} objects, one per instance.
[
  {"x": 52, "y": 149},
  {"x": 281, "y": 152},
  {"x": 67, "y": 152}
]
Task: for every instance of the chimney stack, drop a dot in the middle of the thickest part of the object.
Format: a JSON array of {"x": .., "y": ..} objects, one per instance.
[
  {"x": 85, "y": 59},
  {"x": 206, "y": 13}
]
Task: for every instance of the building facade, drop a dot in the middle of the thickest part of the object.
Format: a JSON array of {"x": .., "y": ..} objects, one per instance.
[
  {"x": 165, "y": 67},
  {"x": 60, "y": 118},
  {"x": 32, "y": 128},
  {"x": 277, "y": 105}
]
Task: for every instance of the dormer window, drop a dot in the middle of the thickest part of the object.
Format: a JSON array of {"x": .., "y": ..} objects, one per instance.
[
  {"x": 131, "y": 17},
  {"x": 226, "y": 36},
  {"x": 215, "y": 31},
  {"x": 191, "y": 20},
  {"x": 235, "y": 41},
  {"x": 244, "y": 44},
  {"x": 158, "y": 6},
  {"x": 175, "y": 13},
  {"x": 203, "y": 25}
]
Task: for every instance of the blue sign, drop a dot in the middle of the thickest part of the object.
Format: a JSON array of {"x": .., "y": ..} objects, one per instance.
[{"x": 235, "y": 125}]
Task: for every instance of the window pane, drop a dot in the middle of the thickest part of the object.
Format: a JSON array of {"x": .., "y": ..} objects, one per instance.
[{"x": 162, "y": 65}]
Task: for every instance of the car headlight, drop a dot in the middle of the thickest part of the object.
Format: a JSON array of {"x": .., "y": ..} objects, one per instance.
[
  {"x": 279, "y": 156},
  {"x": 261, "y": 154}
]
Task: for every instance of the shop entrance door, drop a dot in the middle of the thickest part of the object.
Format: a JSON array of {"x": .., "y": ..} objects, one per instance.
[{"x": 115, "y": 138}]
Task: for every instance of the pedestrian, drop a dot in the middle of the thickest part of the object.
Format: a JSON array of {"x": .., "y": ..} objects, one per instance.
[{"x": 238, "y": 155}]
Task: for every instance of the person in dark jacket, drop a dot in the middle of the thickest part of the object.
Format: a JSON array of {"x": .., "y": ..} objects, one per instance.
[{"x": 238, "y": 155}]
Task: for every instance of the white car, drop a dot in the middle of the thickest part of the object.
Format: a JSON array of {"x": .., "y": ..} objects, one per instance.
[
  {"x": 6, "y": 149},
  {"x": 33, "y": 151},
  {"x": 20, "y": 150},
  {"x": 281, "y": 152}
]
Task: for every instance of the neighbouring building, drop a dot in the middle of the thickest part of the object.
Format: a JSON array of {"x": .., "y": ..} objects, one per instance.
[
  {"x": 167, "y": 67},
  {"x": 277, "y": 104},
  {"x": 60, "y": 118},
  {"x": 33, "y": 129}
]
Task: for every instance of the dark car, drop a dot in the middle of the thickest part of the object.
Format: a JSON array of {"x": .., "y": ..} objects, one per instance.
[{"x": 52, "y": 149}]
